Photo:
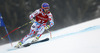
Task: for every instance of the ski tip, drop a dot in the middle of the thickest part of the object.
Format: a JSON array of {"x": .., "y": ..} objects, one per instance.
[{"x": 47, "y": 39}]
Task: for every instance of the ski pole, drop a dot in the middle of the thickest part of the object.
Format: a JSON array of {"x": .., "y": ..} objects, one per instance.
[
  {"x": 16, "y": 29},
  {"x": 50, "y": 33}
]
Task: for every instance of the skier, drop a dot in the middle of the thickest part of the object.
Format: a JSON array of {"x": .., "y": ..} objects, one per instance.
[{"x": 42, "y": 16}]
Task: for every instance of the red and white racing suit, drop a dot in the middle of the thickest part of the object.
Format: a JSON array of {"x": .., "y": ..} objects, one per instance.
[{"x": 40, "y": 24}]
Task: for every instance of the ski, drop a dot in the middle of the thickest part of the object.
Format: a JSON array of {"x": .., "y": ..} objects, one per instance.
[{"x": 28, "y": 44}]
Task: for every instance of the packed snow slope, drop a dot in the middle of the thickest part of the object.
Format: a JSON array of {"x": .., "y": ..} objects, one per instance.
[{"x": 80, "y": 38}]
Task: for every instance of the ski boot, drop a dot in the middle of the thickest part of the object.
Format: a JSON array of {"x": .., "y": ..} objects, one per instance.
[
  {"x": 35, "y": 39},
  {"x": 18, "y": 45}
]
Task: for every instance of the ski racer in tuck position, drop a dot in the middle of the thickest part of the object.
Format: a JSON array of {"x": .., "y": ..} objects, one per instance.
[{"x": 39, "y": 18}]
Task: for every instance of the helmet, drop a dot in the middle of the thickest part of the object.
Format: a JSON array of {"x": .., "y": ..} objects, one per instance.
[{"x": 45, "y": 5}]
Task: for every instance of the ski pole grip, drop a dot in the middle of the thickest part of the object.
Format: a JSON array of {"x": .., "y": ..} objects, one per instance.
[{"x": 1, "y": 38}]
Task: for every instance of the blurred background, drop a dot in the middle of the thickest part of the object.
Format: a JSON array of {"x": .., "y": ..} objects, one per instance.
[{"x": 65, "y": 13}]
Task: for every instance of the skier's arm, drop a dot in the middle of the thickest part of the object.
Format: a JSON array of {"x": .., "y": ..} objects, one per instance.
[
  {"x": 33, "y": 14},
  {"x": 50, "y": 20}
]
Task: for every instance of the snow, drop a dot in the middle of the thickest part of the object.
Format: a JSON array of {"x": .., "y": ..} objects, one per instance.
[{"x": 80, "y": 38}]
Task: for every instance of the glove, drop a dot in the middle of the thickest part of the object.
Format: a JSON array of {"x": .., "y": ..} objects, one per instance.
[
  {"x": 47, "y": 27},
  {"x": 32, "y": 20}
]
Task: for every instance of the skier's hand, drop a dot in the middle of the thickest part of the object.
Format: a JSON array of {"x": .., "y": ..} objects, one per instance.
[
  {"x": 47, "y": 27},
  {"x": 32, "y": 20}
]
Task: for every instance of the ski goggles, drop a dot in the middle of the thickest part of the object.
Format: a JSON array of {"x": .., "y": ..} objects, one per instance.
[{"x": 46, "y": 8}]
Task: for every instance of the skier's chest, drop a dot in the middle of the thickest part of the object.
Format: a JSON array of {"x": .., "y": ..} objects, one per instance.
[{"x": 42, "y": 16}]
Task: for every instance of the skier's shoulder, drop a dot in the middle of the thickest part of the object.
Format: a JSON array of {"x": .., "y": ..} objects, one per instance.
[{"x": 49, "y": 14}]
